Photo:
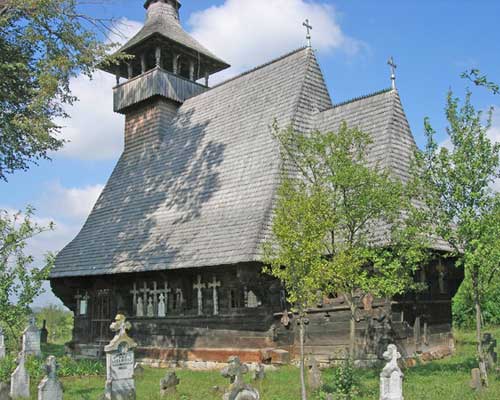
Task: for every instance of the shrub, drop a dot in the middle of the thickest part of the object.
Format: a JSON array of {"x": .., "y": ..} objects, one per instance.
[{"x": 343, "y": 384}]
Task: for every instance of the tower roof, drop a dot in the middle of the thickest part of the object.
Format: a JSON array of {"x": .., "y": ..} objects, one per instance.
[{"x": 163, "y": 22}]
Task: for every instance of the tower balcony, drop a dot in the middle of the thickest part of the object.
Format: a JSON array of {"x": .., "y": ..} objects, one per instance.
[{"x": 156, "y": 82}]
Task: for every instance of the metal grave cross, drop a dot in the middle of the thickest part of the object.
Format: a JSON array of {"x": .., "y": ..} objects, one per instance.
[
  {"x": 393, "y": 66},
  {"x": 199, "y": 286},
  {"x": 214, "y": 285},
  {"x": 309, "y": 28}
]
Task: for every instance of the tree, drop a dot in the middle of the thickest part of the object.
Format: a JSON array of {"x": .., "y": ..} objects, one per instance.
[
  {"x": 43, "y": 44},
  {"x": 59, "y": 323},
  {"x": 456, "y": 189},
  {"x": 20, "y": 281},
  {"x": 330, "y": 204}
]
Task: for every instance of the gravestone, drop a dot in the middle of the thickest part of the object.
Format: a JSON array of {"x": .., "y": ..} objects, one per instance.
[
  {"x": 238, "y": 390},
  {"x": 4, "y": 391},
  {"x": 391, "y": 377},
  {"x": 138, "y": 371},
  {"x": 489, "y": 347},
  {"x": 168, "y": 385},
  {"x": 476, "y": 381},
  {"x": 44, "y": 333},
  {"x": 50, "y": 388},
  {"x": 314, "y": 374},
  {"x": 31, "y": 339},
  {"x": 2, "y": 344},
  {"x": 20, "y": 380},
  {"x": 259, "y": 373},
  {"x": 120, "y": 362}
]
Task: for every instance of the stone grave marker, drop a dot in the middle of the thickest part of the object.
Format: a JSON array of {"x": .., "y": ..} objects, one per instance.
[
  {"x": 44, "y": 333},
  {"x": 476, "y": 381},
  {"x": 489, "y": 347},
  {"x": 259, "y": 373},
  {"x": 238, "y": 390},
  {"x": 138, "y": 371},
  {"x": 31, "y": 339},
  {"x": 20, "y": 380},
  {"x": 391, "y": 377},
  {"x": 2, "y": 344},
  {"x": 4, "y": 391},
  {"x": 314, "y": 374},
  {"x": 168, "y": 385},
  {"x": 50, "y": 388},
  {"x": 120, "y": 362}
]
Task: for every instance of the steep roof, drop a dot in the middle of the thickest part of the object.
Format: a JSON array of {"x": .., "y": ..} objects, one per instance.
[
  {"x": 380, "y": 115},
  {"x": 202, "y": 195}
]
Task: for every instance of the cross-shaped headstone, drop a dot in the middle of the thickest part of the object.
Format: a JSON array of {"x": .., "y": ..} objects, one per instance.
[
  {"x": 134, "y": 294},
  {"x": 144, "y": 292},
  {"x": 234, "y": 371},
  {"x": 393, "y": 66},
  {"x": 199, "y": 286},
  {"x": 214, "y": 285},
  {"x": 308, "y": 27},
  {"x": 155, "y": 292}
]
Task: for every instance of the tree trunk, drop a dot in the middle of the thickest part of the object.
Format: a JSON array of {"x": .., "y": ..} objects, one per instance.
[
  {"x": 352, "y": 327},
  {"x": 477, "y": 306},
  {"x": 302, "y": 360}
]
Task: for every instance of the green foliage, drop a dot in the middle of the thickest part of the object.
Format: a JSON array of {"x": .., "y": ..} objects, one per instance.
[
  {"x": 59, "y": 323},
  {"x": 43, "y": 44},
  {"x": 67, "y": 367},
  {"x": 343, "y": 383},
  {"x": 20, "y": 280},
  {"x": 456, "y": 190},
  {"x": 329, "y": 204},
  {"x": 463, "y": 305},
  {"x": 479, "y": 79}
]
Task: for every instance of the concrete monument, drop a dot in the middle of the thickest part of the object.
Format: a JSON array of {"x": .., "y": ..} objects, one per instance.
[
  {"x": 20, "y": 380},
  {"x": 50, "y": 388},
  {"x": 31, "y": 339},
  {"x": 391, "y": 377},
  {"x": 120, "y": 362}
]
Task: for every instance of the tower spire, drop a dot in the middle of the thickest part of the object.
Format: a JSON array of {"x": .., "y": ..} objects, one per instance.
[
  {"x": 308, "y": 27},
  {"x": 393, "y": 66}
]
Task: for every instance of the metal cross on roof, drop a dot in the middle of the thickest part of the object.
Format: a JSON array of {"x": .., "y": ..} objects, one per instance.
[
  {"x": 309, "y": 27},
  {"x": 393, "y": 66}
]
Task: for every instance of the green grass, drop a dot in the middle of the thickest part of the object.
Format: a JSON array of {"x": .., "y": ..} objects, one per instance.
[{"x": 446, "y": 379}]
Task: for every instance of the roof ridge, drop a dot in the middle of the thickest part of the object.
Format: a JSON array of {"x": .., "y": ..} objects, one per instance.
[
  {"x": 291, "y": 53},
  {"x": 363, "y": 97}
]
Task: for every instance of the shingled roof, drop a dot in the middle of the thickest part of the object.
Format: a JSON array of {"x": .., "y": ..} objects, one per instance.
[{"x": 203, "y": 195}]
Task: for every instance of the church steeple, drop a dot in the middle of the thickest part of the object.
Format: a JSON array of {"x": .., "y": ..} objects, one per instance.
[{"x": 166, "y": 61}]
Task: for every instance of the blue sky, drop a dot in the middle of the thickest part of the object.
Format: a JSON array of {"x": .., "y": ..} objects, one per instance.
[{"x": 432, "y": 42}]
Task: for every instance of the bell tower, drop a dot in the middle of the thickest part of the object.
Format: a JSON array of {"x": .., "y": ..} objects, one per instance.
[{"x": 166, "y": 62}]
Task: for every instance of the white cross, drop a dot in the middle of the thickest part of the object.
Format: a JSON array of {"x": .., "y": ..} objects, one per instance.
[
  {"x": 214, "y": 285},
  {"x": 167, "y": 290},
  {"x": 308, "y": 27},
  {"x": 393, "y": 66},
  {"x": 198, "y": 286},
  {"x": 144, "y": 291},
  {"x": 134, "y": 293}
]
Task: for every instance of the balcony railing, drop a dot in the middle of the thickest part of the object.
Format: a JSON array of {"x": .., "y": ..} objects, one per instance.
[{"x": 156, "y": 82}]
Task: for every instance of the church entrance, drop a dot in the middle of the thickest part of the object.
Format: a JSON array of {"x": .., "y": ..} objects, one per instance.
[{"x": 101, "y": 316}]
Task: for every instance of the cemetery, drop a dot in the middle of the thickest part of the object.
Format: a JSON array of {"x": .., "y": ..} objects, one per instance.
[{"x": 46, "y": 374}]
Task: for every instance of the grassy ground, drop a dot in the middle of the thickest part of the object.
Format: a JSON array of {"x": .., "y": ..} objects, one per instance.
[{"x": 440, "y": 380}]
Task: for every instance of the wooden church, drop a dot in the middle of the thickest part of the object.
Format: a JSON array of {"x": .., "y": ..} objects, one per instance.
[{"x": 174, "y": 240}]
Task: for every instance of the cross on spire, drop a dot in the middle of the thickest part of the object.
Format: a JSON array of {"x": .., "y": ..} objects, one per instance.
[
  {"x": 393, "y": 66},
  {"x": 308, "y": 27}
]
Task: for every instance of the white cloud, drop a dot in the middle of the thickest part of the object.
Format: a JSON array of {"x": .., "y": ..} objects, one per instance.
[
  {"x": 247, "y": 33},
  {"x": 94, "y": 131},
  {"x": 72, "y": 203}
]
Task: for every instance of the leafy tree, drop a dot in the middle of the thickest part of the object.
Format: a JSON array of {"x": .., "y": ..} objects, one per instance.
[
  {"x": 43, "y": 44},
  {"x": 329, "y": 205},
  {"x": 456, "y": 190},
  {"x": 20, "y": 281},
  {"x": 59, "y": 323}
]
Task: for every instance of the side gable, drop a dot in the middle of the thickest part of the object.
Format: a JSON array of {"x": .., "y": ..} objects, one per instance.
[{"x": 381, "y": 115}]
